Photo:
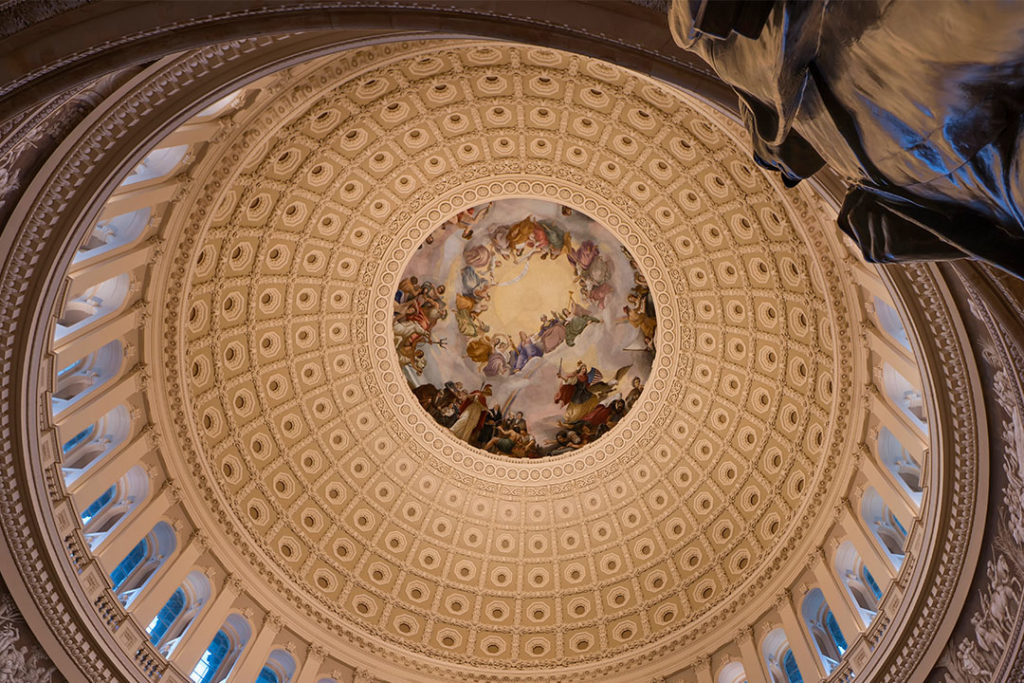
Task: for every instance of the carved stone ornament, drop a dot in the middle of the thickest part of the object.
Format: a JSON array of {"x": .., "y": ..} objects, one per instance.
[{"x": 334, "y": 500}]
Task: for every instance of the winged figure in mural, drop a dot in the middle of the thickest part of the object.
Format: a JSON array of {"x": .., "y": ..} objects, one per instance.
[{"x": 583, "y": 389}]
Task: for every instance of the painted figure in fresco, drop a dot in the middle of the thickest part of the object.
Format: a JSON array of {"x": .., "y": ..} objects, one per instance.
[
  {"x": 472, "y": 414},
  {"x": 467, "y": 315},
  {"x": 593, "y": 272},
  {"x": 526, "y": 350},
  {"x": 587, "y": 404},
  {"x": 575, "y": 324},
  {"x": 499, "y": 362},
  {"x": 583, "y": 389},
  {"x": 552, "y": 332},
  {"x": 634, "y": 393}
]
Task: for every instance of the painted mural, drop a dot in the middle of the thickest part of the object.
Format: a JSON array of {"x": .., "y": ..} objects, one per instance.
[{"x": 525, "y": 328}]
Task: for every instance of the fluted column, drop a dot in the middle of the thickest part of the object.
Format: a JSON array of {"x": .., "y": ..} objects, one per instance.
[
  {"x": 118, "y": 264},
  {"x": 159, "y": 589},
  {"x": 870, "y": 280},
  {"x": 703, "y": 670},
  {"x": 837, "y": 597},
  {"x": 85, "y": 412},
  {"x": 894, "y": 495},
  {"x": 134, "y": 198},
  {"x": 92, "y": 482},
  {"x": 195, "y": 641},
  {"x": 254, "y": 657},
  {"x": 71, "y": 347},
  {"x": 753, "y": 663},
  {"x": 191, "y": 133},
  {"x": 123, "y": 537},
  {"x": 893, "y": 353},
  {"x": 809, "y": 663},
  {"x": 905, "y": 431},
  {"x": 310, "y": 670},
  {"x": 855, "y": 530}
]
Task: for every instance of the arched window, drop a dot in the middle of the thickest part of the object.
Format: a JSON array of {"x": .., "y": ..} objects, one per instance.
[
  {"x": 157, "y": 164},
  {"x": 823, "y": 629},
  {"x": 889, "y": 320},
  {"x": 95, "y": 442},
  {"x": 172, "y": 622},
  {"x": 129, "y": 564},
  {"x": 859, "y": 582},
  {"x": 900, "y": 464},
  {"x": 790, "y": 668},
  {"x": 78, "y": 438},
  {"x": 84, "y": 375},
  {"x": 886, "y": 528},
  {"x": 142, "y": 561},
  {"x": 98, "y": 504},
  {"x": 211, "y": 660},
  {"x": 92, "y": 304},
  {"x": 222, "y": 654},
  {"x": 107, "y": 511},
  {"x": 267, "y": 675},
  {"x": 778, "y": 657},
  {"x": 280, "y": 668},
  {"x": 905, "y": 396},
  {"x": 113, "y": 233},
  {"x": 167, "y": 615},
  {"x": 732, "y": 673}
]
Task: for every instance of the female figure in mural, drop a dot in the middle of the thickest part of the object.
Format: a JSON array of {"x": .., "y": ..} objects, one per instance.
[{"x": 472, "y": 413}]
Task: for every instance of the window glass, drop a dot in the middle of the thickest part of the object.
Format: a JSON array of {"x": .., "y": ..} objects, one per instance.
[
  {"x": 872, "y": 584},
  {"x": 166, "y": 616},
  {"x": 792, "y": 671},
  {"x": 98, "y": 504},
  {"x": 128, "y": 564},
  {"x": 208, "y": 664},
  {"x": 267, "y": 675},
  {"x": 78, "y": 438},
  {"x": 833, "y": 630}
]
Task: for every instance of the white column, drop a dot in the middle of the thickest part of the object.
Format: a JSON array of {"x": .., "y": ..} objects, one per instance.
[
  {"x": 95, "y": 336},
  {"x": 169, "y": 578},
  {"x": 123, "y": 262},
  {"x": 195, "y": 641},
  {"x": 905, "y": 431},
  {"x": 309, "y": 672},
  {"x": 100, "y": 476},
  {"x": 80, "y": 415},
  {"x": 753, "y": 663},
  {"x": 837, "y": 597},
  {"x": 870, "y": 280},
  {"x": 884, "y": 481},
  {"x": 855, "y": 530},
  {"x": 703, "y": 670},
  {"x": 256, "y": 652},
  {"x": 809, "y": 663},
  {"x": 123, "y": 537},
  {"x": 132, "y": 199},
  {"x": 893, "y": 354},
  {"x": 191, "y": 133}
]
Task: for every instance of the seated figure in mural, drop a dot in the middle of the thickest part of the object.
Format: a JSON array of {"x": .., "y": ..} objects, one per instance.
[{"x": 575, "y": 323}]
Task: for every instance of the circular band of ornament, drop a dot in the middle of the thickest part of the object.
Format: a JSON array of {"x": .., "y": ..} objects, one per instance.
[
  {"x": 746, "y": 361},
  {"x": 641, "y": 425}
]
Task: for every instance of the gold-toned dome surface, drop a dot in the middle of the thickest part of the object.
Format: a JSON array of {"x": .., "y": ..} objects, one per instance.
[{"x": 332, "y": 486}]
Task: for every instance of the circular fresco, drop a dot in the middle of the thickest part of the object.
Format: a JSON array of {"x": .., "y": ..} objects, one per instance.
[{"x": 524, "y": 327}]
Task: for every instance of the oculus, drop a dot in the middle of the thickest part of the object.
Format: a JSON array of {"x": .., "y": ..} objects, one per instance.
[{"x": 524, "y": 327}]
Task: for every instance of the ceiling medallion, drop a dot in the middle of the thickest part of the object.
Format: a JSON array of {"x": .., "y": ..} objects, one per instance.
[{"x": 524, "y": 327}]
